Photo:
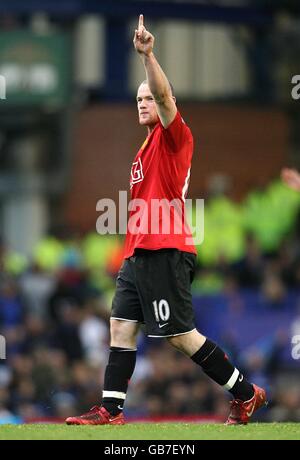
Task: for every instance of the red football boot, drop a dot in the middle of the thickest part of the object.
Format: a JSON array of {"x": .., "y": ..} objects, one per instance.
[
  {"x": 241, "y": 411},
  {"x": 97, "y": 416}
]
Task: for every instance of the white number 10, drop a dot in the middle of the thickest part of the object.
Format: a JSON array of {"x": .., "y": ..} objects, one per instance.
[{"x": 161, "y": 311}]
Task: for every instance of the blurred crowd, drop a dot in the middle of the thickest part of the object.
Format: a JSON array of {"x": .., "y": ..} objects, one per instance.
[{"x": 54, "y": 315}]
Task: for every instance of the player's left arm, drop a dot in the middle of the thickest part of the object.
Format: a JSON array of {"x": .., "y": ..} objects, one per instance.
[{"x": 156, "y": 78}]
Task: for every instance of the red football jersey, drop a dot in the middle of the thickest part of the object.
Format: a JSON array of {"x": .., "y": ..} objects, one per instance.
[{"x": 159, "y": 181}]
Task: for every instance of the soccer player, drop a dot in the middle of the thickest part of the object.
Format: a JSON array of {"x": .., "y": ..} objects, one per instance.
[
  {"x": 154, "y": 283},
  {"x": 291, "y": 178}
]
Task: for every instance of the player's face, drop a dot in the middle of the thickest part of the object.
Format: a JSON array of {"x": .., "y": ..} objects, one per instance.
[{"x": 146, "y": 106}]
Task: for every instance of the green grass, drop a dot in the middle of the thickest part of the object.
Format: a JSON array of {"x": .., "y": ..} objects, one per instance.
[{"x": 154, "y": 431}]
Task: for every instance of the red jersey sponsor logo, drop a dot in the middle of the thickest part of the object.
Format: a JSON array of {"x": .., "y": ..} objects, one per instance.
[{"x": 136, "y": 172}]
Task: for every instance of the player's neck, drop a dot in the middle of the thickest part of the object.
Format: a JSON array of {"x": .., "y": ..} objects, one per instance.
[{"x": 150, "y": 128}]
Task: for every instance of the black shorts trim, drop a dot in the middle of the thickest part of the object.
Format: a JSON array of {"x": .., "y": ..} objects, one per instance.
[
  {"x": 172, "y": 335},
  {"x": 125, "y": 319}
]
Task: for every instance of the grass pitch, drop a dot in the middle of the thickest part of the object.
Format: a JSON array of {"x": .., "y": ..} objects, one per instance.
[{"x": 152, "y": 431}]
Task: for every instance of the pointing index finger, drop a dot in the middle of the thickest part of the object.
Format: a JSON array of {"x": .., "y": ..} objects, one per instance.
[{"x": 141, "y": 20}]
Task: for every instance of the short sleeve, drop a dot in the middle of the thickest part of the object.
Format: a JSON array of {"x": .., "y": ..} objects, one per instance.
[{"x": 176, "y": 134}]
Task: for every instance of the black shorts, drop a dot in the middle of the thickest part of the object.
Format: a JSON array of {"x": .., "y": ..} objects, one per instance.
[{"x": 154, "y": 287}]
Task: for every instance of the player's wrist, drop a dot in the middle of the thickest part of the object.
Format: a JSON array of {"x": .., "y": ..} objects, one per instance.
[{"x": 146, "y": 56}]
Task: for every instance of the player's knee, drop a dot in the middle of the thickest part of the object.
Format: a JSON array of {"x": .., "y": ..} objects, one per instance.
[
  {"x": 177, "y": 342},
  {"x": 118, "y": 330},
  {"x": 123, "y": 334},
  {"x": 188, "y": 343}
]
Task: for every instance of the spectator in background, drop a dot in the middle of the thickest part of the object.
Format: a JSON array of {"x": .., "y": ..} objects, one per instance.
[
  {"x": 273, "y": 289},
  {"x": 249, "y": 269},
  {"x": 11, "y": 316},
  {"x": 94, "y": 334},
  {"x": 287, "y": 407},
  {"x": 67, "y": 336},
  {"x": 36, "y": 286}
]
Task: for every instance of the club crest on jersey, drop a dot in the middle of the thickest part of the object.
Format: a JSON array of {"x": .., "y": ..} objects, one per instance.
[{"x": 136, "y": 172}]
